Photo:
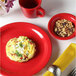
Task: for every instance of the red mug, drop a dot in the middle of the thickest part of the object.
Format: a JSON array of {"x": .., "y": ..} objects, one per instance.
[{"x": 32, "y": 8}]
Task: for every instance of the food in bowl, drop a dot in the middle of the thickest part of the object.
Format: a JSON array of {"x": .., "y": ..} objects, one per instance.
[
  {"x": 20, "y": 49},
  {"x": 64, "y": 28}
]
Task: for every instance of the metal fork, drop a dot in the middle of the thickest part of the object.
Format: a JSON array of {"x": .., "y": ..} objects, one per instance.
[{"x": 73, "y": 72}]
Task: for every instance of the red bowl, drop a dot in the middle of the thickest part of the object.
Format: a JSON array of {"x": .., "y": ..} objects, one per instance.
[
  {"x": 66, "y": 16},
  {"x": 43, "y": 47}
]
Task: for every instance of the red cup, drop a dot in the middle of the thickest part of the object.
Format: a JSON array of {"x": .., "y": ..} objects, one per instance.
[{"x": 32, "y": 8}]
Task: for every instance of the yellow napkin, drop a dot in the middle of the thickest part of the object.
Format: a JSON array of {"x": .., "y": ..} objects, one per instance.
[{"x": 65, "y": 59}]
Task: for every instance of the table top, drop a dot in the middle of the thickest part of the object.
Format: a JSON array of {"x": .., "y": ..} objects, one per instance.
[{"x": 52, "y": 7}]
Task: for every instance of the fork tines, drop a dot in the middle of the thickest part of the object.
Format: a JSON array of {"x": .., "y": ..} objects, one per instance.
[{"x": 73, "y": 72}]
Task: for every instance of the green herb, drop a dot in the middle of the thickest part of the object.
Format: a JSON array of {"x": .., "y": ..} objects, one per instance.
[
  {"x": 26, "y": 37},
  {"x": 23, "y": 39},
  {"x": 20, "y": 44},
  {"x": 17, "y": 53},
  {"x": 31, "y": 41}
]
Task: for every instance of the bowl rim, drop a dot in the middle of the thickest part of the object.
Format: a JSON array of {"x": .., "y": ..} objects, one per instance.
[{"x": 54, "y": 35}]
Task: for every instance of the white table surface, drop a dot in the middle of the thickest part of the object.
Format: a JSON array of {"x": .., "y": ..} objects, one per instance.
[{"x": 52, "y": 7}]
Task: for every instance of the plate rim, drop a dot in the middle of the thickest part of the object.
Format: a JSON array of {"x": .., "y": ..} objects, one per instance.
[{"x": 43, "y": 32}]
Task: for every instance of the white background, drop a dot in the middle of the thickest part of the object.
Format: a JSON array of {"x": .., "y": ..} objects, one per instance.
[{"x": 52, "y": 7}]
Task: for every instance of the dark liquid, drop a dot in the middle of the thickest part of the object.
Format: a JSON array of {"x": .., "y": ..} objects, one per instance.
[{"x": 29, "y": 3}]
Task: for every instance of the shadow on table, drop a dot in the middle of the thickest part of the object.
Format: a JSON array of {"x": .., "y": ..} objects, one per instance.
[
  {"x": 52, "y": 5},
  {"x": 16, "y": 12}
]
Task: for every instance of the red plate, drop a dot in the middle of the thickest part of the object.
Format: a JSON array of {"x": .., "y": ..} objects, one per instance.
[{"x": 43, "y": 46}]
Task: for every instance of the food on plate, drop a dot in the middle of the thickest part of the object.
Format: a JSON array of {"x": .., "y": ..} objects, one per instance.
[
  {"x": 64, "y": 28},
  {"x": 20, "y": 49}
]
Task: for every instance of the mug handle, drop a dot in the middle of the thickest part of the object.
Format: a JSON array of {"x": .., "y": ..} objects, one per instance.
[{"x": 40, "y": 12}]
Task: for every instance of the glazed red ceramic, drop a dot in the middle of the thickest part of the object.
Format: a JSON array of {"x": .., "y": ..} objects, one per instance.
[
  {"x": 41, "y": 58},
  {"x": 32, "y": 8},
  {"x": 52, "y": 21}
]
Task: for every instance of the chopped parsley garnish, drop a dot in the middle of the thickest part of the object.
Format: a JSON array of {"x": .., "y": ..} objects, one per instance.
[
  {"x": 20, "y": 44},
  {"x": 31, "y": 41},
  {"x": 23, "y": 39},
  {"x": 26, "y": 37},
  {"x": 18, "y": 54}
]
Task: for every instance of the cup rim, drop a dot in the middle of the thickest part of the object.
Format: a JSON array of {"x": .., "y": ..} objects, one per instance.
[
  {"x": 53, "y": 34},
  {"x": 31, "y": 8}
]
